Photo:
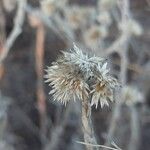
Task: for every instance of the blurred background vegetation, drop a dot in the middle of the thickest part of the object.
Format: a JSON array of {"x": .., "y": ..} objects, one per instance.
[{"x": 32, "y": 34}]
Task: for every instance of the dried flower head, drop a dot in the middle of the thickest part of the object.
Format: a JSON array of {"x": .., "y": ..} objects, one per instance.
[
  {"x": 84, "y": 62},
  {"x": 104, "y": 18},
  {"x": 131, "y": 95},
  {"x": 76, "y": 75},
  {"x": 107, "y": 4},
  {"x": 103, "y": 88},
  {"x": 132, "y": 27},
  {"x": 75, "y": 15},
  {"x": 67, "y": 82},
  {"x": 94, "y": 34},
  {"x": 48, "y": 7}
]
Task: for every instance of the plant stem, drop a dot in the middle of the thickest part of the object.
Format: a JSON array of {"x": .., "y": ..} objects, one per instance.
[
  {"x": 135, "y": 129},
  {"x": 88, "y": 131},
  {"x": 39, "y": 58},
  {"x": 114, "y": 120}
]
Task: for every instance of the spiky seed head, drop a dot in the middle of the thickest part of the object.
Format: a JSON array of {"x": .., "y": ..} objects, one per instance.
[
  {"x": 103, "y": 89},
  {"x": 76, "y": 75}
]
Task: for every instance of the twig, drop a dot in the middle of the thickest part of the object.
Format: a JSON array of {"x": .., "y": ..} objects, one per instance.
[
  {"x": 116, "y": 45},
  {"x": 132, "y": 66},
  {"x": 114, "y": 144},
  {"x": 57, "y": 131},
  {"x": 125, "y": 15},
  {"x": 47, "y": 21},
  {"x": 135, "y": 129},
  {"x": 39, "y": 58},
  {"x": 114, "y": 120},
  {"x": 2, "y": 27},
  {"x": 95, "y": 145},
  {"x": 24, "y": 118},
  {"x": 18, "y": 22}
]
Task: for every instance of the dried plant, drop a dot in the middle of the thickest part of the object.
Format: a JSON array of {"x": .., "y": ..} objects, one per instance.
[
  {"x": 76, "y": 75},
  {"x": 131, "y": 95},
  {"x": 94, "y": 34},
  {"x": 48, "y": 7},
  {"x": 107, "y": 4}
]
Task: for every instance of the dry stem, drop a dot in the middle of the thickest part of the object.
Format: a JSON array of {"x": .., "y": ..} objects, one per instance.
[
  {"x": 39, "y": 56},
  {"x": 101, "y": 146},
  {"x": 135, "y": 129},
  {"x": 123, "y": 45},
  {"x": 18, "y": 22},
  {"x": 88, "y": 131}
]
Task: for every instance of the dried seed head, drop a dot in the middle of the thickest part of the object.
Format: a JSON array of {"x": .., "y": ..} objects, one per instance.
[
  {"x": 75, "y": 15},
  {"x": 67, "y": 81},
  {"x": 48, "y": 7},
  {"x": 94, "y": 34},
  {"x": 132, "y": 27},
  {"x": 104, "y": 18},
  {"x": 83, "y": 61},
  {"x": 103, "y": 89},
  {"x": 131, "y": 95},
  {"x": 71, "y": 75}
]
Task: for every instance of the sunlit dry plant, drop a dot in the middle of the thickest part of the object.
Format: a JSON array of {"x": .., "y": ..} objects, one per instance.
[
  {"x": 131, "y": 26},
  {"x": 104, "y": 18},
  {"x": 76, "y": 75},
  {"x": 67, "y": 81},
  {"x": 48, "y": 7},
  {"x": 103, "y": 88},
  {"x": 132, "y": 95},
  {"x": 94, "y": 34},
  {"x": 107, "y": 4},
  {"x": 75, "y": 15},
  {"x": 72, "y": 74}
]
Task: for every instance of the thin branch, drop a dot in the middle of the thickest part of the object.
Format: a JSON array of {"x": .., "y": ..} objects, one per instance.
[
  {"x": 46, "y": 21},
  {"x": 125, "y": 15},
  {"x": 95, "y": 145},
  {"x": 114, "y": 144},
  {"x": 2, "y": 27},
  {"x": 135, "y": 129},
  {"x": 132, "y": 66},
  {"x": 57, "y": 131},
  {"x": 114, "y": 121},
  {"x": 18, "y": 23},
  {"x": 39, "y": 58}
]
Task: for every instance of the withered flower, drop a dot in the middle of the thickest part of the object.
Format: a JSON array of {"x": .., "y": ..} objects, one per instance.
[
  {"x": 131, "y": 95},
  {"x": 103, "y": 88},
  {"x": 72, "y": 74},
  {"x": 67, "y": 81},
  {"x": 75, "y": 15},
  {"x": 94, "y": 34},
  {"x": 48, "y": 7},
  {"x": 131, "y": 26}
]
